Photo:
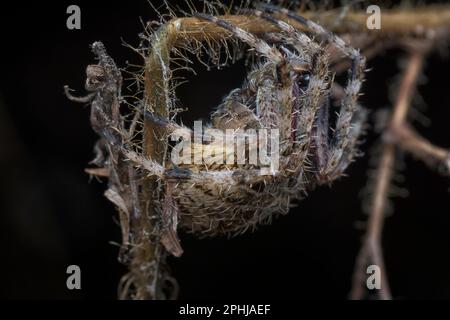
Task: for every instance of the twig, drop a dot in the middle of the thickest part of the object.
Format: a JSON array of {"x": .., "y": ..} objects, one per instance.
[
  {"x": 147, "y": 257},
  {"x": 396, "y": 23},
  {"x": 410, "y": 141},
  {"x": 371, "y": 251}
]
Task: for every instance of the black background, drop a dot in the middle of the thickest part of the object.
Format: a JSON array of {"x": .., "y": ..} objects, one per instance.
[{"x": 53, "y": 216}]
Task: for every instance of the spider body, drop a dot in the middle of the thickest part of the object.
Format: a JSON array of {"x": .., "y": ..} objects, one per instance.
[
  {"x": 289, "y": 89},
  {"x": 288, "y": 92}
]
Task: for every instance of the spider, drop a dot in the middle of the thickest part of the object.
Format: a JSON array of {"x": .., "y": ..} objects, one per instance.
[{"x": 289, "y": 88}]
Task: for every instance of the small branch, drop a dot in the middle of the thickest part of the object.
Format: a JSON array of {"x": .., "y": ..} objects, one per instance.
[
  {"x": 410, "y": 141},
  {"x": 371, "y": 251},
  {"x": 407, "y": 87}
]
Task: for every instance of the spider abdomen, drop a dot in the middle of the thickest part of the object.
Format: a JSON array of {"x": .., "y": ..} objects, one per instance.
[{"x": 228, "y": 210}]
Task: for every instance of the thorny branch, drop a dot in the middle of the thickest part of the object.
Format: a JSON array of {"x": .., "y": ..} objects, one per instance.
[{"x": 397, "y": 135}]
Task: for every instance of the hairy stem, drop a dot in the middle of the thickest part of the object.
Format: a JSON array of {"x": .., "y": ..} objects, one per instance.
[{"x": 410, "y": 141}]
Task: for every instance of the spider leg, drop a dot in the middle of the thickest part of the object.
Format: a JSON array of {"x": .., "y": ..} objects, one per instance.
[
  {"x": 304, "y": 115},
  {"x": 319, "y": 137},
  {"x": 281, "y": 88},
  {"x": 350, "y": 151},
  {"x": 258, "y": 44},
  {"x": 163, "y": 123},
  {"x": 311, "y": 105},
  {"x": 343, "y": 136},
  {"x": 300, "y": 40}
]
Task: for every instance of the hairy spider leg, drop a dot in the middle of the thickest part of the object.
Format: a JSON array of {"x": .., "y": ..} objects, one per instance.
[
  {"x": 343, "y": 134},
  {"x": 311, "y": 110},
  {"x": 280, "y": 89}
]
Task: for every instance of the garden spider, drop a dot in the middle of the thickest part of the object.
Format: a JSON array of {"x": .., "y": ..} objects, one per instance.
[{"x": 289, "y": 88}]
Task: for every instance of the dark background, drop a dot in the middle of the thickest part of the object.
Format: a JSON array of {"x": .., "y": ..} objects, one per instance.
[{"x": 53, "y": 216}]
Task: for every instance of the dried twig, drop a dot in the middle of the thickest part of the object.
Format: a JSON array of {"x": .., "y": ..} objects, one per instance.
[
  {"x": 398, "y": 135},
  {"x": 410, "y": 141},
  {"x": 371, "y": 251}
]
